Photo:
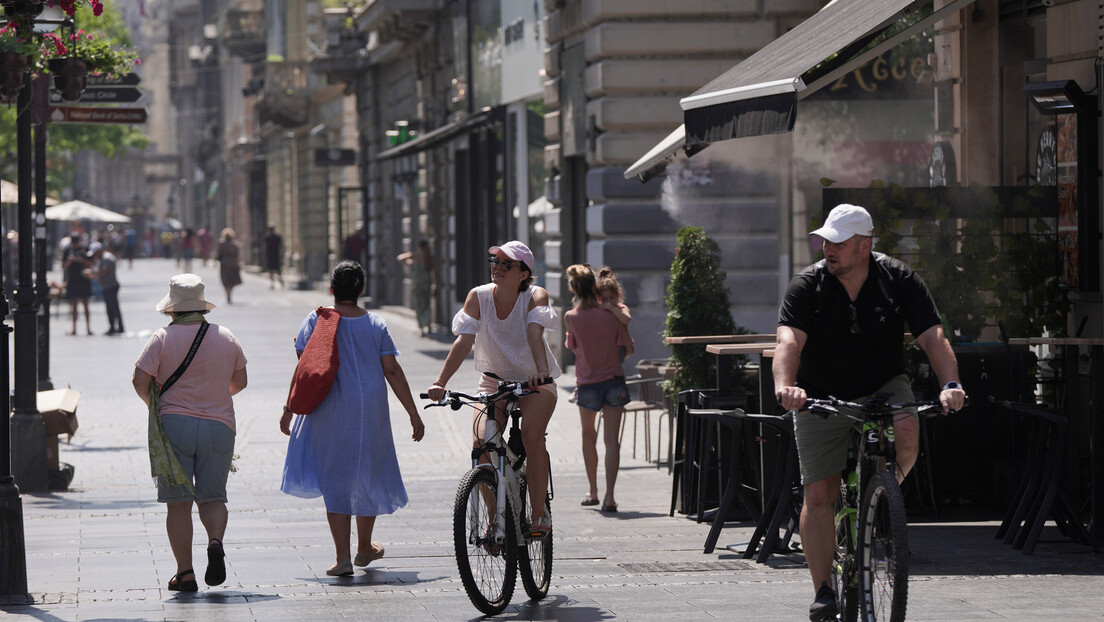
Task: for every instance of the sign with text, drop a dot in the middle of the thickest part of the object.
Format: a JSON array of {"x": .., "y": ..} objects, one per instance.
[
  {"x": 103, "y": 95},
  {"x": 335, "y": 157},
  {"x": 130, "y": 79},
  {"x": 72, "y": 114}
]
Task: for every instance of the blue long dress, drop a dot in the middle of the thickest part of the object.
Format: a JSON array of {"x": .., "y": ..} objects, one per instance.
[{"x": 344, "y": 450}]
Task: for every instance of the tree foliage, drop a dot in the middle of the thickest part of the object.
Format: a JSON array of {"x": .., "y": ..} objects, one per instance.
[{"x": 65, "y": 139}]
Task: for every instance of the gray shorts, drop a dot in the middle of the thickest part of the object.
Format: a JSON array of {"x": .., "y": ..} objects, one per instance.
[
  {"x": 822, "y": 443},
  {"x": 205, "y": 448}
]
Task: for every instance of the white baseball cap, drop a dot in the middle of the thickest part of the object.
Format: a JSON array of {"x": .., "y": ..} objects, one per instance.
[{"x": 845, "y": 221}]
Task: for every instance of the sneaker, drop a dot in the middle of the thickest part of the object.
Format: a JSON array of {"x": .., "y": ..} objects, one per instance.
[{"x": 824, "y": 607}]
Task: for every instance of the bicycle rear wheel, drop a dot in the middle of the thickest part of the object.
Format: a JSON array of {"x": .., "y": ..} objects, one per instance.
[
  {"x": 534, "y": 554},
  {"x": 845, "y": 578},
  {"x": 883, "y": 550},
  {"x": 488, "y": 569}
]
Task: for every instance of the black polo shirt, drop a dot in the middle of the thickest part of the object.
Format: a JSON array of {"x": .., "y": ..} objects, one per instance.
[{"x": 849, "y": 359}]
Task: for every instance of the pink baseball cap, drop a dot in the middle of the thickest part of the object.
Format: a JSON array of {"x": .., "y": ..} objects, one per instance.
[{"x": 517, "y": 251}]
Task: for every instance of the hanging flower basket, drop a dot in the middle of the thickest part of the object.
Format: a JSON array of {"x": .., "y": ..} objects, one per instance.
[
  {"x": 13, "y": 71},
  {"x": 70, "y": 77},
  {"x": 22, "y": 8}
]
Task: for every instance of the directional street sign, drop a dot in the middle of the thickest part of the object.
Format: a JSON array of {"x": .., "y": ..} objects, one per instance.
[
  {"x": 130, "y": 79},
  {"x": 74, "y": 114},
  {"x": 103, "y": 95}
]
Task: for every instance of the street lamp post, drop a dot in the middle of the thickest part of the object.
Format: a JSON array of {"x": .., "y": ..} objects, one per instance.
[
  {"x": 13, "y": 550},
  {"x": 42, "y": 111},
  {"x": 27, "y": 428}
]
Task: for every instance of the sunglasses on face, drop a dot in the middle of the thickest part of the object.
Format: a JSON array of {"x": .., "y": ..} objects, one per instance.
[{"x": 507, "y": 264}]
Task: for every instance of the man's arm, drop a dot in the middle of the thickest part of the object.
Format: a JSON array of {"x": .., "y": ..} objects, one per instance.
[
  {"x": 787, "y": 356},
  {"x": 942, "y": 359}
]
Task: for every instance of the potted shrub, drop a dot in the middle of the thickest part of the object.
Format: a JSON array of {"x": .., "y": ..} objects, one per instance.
[{"x": 698, "y": 304}]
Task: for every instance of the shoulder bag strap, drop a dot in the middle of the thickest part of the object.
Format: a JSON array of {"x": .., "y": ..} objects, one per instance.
[{"x": 187, "y": 359}]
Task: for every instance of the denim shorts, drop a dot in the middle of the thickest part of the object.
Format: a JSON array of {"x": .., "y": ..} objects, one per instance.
[
  {"x": 612, "y": 392},
  {"x": 822, "y": 443},
  {"x": 205, "y": 449}
]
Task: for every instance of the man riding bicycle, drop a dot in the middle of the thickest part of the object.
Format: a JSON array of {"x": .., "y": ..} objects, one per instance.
[
  {"x": 505, "y": 321},
  {"x": 841, "y": 334}
]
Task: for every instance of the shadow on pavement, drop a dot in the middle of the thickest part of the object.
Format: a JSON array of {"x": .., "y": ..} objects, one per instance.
[
  {"x": 963, "y": 549},
  {"x": 558, "y": 608}
]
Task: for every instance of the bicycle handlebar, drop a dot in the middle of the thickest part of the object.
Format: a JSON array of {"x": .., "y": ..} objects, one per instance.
[
  {"x": 873, "y": 407},
  {"x": 505, "y": 387}
]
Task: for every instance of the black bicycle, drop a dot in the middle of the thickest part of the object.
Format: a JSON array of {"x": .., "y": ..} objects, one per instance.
[
  {"x": 871, "y": 566},
  {"x": 490, "y": 519}
]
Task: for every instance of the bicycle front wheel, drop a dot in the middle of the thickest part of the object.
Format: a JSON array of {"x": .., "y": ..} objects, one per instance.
[
  {"x": 883, "y": 550},
  {"x": 487, "y": 565},
  {"x": 535, "y": 554}
]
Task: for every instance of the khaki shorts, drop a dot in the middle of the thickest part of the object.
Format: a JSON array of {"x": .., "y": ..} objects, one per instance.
[
  {"x": 822, "y": 443},
  {"x": 205, "y": 449}
]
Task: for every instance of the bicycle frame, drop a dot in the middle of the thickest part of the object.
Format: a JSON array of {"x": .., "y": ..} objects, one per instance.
[{"x": 494, "y": 447}]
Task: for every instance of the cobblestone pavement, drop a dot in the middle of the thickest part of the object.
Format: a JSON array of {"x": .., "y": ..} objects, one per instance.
[{"x": 99, "y": 552}]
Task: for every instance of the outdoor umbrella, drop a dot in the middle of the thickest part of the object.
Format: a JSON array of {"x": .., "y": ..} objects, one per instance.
[
  {"x": 79, "y": 210},
  {"x": 9, "y": 193}
]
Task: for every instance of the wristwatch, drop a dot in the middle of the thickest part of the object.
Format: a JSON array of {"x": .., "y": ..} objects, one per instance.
[{"x": 952, "y": 385}]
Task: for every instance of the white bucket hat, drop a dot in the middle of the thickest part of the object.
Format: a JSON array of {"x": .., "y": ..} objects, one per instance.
[{"x": 185, "y": 294}]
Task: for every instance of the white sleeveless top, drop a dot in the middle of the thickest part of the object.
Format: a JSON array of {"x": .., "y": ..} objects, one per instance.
[{"x": 500, "y": 345}]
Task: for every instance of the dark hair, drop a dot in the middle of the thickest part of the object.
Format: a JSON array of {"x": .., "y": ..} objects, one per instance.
[
  {"x": 580, "y": 278},
  {"x": 528, "y": 280},
  {"x": 347, "y": 280}
]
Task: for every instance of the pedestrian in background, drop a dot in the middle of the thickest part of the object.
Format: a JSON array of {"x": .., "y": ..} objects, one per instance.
[
  {"x": 188, "y": 248},
  {"x": 106, "y": 271},
  {"x": 352, "y": 248},
  {"x": 75, "y": 266},
  {"x": 186, "y": 375},
  {"x": 344, "y": 450},
  {"x": 274, "y": 257},
  {"x": 130, "y": 247},
  {"x": 206, "y": 242},
  {"x": 596, "y": 338},
  {"x": 423, "y": 280},
  {"x": 229, "y": 256}
]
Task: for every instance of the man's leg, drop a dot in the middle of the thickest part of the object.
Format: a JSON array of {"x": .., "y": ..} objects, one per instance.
[
  {"x": 818, "y": 528},
  {"x": 907, "y": 427}
]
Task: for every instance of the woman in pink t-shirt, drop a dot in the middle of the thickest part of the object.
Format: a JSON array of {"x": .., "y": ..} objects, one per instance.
[
  {"x": 196, "y": 414},
  {"x": 595, "y": 336}
]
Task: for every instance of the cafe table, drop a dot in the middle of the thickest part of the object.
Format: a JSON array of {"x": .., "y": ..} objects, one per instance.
[
  {"x": 711, "y": 339},
  {"x": 1092, "y": 412},
  {"x": 725, "y": 351}
]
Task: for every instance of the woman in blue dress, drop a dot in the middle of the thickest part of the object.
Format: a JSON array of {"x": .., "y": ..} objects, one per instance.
[{"x": 344, "y": 450}]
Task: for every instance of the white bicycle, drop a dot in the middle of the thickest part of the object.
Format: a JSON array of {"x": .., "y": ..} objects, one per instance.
[{"x": 490, "y": 518}]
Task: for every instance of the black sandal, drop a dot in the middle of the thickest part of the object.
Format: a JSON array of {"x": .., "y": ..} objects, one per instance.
[
  {"x": 177, "y": 584},
  {"x": 216, "y": 563}
]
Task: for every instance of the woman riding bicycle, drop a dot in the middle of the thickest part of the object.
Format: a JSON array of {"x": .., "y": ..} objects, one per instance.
[{"x": 505, "y": 321}]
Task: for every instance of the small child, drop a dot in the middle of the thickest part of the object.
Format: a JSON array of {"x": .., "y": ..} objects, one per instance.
[{"x": 610, "y": 293}]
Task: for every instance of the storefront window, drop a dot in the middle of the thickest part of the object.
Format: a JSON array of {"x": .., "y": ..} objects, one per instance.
[
  {"x": 458, "y": 93},
  {"x": 486, "y": 53}
]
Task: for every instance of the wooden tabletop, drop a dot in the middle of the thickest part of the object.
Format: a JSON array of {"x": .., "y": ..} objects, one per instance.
[
  {"x": 723, "y": 349},
  {"x": 1057, "y": 341},
  {"x": 720, "y": 339}
]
